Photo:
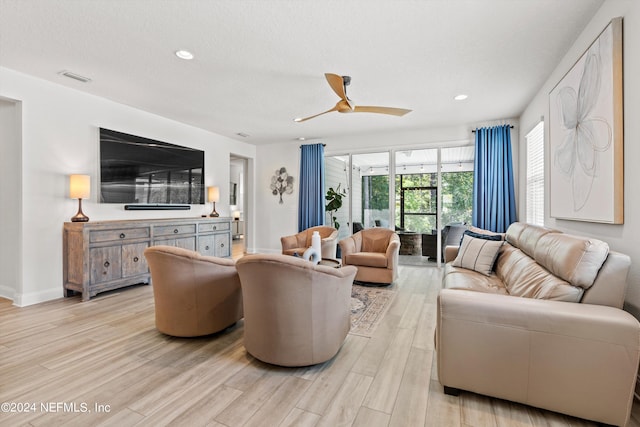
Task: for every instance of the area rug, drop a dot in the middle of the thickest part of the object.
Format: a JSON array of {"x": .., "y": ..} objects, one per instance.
[{"x": 368, "y": 307}]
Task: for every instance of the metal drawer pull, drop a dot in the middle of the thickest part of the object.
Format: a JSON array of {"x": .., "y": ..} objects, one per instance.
[
  {"x": 175, "y": 231},
  {"x": 135, "y": 259},
  {"x": 107, "y": 264},
  {"x": 222, "y": 245},
  {"x": 206, "y": 248},
  {"x": 122, "y": 236},
  {"x": 215, "y": 228}
]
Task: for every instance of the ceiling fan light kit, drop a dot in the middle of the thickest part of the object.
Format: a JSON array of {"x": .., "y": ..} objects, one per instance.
[{"x": 345, "y": 105}]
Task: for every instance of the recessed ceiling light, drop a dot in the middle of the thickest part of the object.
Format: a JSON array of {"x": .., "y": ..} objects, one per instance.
[
  {"x": 460, "y": 97},
  {"x": 184, "y": 54},
  {"x": 242, "y": 134},
  {"x": 301, "y": 138}
]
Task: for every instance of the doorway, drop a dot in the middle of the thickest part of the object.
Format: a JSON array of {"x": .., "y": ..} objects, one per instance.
[{"x": 238, "y": 167}]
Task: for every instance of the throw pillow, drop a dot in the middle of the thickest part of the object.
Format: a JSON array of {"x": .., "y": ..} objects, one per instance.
[
  {"x": 477, "y": 254},
  {"x": 485, "y": 236}
]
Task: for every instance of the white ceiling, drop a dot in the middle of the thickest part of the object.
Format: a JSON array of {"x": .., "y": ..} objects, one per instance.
[{"x": 260, "y": 64}]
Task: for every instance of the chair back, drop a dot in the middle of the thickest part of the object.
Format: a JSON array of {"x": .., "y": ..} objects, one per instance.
[
  {"x": 296, "y": 313},
  {"x": 194, "y": 295}
]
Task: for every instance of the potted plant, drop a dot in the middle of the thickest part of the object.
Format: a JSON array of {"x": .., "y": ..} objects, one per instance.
[{"x": 334, "y": 202}]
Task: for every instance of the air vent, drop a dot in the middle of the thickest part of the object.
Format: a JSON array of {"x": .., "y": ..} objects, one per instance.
[{"x": 75, "y": 76}]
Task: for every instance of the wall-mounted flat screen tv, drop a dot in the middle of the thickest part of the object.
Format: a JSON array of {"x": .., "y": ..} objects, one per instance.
[{"x": 140, "y": 170}]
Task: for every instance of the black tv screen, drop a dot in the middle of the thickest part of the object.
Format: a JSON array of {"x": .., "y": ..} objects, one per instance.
[{"x": 140, "y": 170}]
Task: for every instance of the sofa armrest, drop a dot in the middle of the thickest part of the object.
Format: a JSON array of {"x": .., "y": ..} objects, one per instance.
[
  {"x": 289, "y": 242},
  {"x": 347, "y": 246},
  {"x": 450, "y": 252},
  {"x": 578, "y": 359}
]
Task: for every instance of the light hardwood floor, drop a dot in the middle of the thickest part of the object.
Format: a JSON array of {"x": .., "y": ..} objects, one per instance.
[{"x": 107, "y": 355}]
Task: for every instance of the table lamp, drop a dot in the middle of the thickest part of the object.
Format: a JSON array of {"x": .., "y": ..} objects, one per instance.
[
  {"x": 214, "y": 196},
  {"x": 79, "y": 188}
]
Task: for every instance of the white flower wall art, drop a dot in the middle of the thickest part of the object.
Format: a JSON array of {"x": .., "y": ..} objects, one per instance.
[
  {"x": 586, "y": 135},
  {"x": 281, "y": 183}
]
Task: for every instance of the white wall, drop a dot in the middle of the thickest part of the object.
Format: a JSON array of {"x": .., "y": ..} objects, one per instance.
[
  {"x": 623, "y": 238},
  {"x": 274, "y": 220},
  {"x": 10, "y": 197},
  {"x": 60, "y": 137}
]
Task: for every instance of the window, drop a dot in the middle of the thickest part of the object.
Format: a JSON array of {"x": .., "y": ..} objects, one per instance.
[{"x": 535, "y": 175}]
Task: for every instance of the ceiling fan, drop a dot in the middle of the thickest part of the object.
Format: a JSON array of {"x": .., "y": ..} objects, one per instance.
[{"x": 345, "y": 105}]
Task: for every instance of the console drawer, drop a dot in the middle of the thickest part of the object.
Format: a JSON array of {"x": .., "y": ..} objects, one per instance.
[
  {"x": 98, "y": 236},
  {"x": 213, "y": 226},
  {"x": 172, "y": 230}
]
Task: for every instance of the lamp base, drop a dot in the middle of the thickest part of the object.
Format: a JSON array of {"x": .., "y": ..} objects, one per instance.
[
  {"x": 80, "y": 216},
  {"x": 213, "y": 212}
]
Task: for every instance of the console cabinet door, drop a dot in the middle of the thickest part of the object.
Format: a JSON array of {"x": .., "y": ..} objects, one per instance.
[
  {"x": 207, "y": 245},
  {"x": 133, "y": 260},
  {"x": 105, "y": 263},
  {"x": 222, "y": 245},
  {"x": 183, "y": 242}
]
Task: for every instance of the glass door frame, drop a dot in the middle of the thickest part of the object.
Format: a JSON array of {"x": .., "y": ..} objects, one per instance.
[{"x": 392, "y": 187}]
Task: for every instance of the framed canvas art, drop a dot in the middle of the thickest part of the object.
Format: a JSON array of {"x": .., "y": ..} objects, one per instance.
[{"x": 586, "y": 135}]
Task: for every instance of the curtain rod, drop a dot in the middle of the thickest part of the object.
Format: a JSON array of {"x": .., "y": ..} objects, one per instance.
[
  {"x": 474, "y": 131},
  {"x": 324, "y": 145}
]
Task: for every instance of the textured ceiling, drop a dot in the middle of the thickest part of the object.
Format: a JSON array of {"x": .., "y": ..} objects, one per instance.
[{"x": 260, "y": 64}]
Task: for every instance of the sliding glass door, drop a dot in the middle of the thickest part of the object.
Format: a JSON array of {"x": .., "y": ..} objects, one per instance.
[
  {"x": 421, "y": 191},
  {"x": 370, "y": 190}
]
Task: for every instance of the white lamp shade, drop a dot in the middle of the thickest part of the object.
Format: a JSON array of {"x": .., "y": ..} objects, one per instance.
[
  {"x": 214, "y": 194},
  {"x": 79, "y": 186}
]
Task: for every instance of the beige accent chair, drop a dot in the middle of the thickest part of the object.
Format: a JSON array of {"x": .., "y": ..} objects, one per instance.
[
  {"x": 296, "y": 313},
  {"x": 194, "y": 295},
  {"x": 375, "y": 252},
  {"x": 298, "y": 243},
  {"x": 546, "y": 328}
]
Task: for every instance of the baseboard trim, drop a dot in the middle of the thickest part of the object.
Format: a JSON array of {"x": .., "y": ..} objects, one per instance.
[{"x": 31, "y": 298}]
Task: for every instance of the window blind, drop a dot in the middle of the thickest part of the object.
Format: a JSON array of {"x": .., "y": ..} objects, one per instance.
[{"x": 535, "y": 175}]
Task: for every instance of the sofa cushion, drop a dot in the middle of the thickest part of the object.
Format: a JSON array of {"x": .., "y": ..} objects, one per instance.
[
  {"x": 462, "y": 278},
  {"x": 367, "y": 259},
  {"x": 524, "y": 277},
  {"x": 572, "y": 258},
  {"x": 530, "y": 237},
  {"x": 477, "y": 254}
]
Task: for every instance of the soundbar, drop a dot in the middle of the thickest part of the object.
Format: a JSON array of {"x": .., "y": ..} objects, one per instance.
[{"x": 156, "y": 207}]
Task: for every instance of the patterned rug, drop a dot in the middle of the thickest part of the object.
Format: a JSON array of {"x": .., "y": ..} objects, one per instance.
[{"x": 368, "y": 307}]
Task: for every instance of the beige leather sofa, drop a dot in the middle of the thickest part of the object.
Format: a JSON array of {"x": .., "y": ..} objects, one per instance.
[
  {"x": 375, "y": 252},
  {"x": 300, "y": 242},
  {"x": 194, "y": 295},
  {"x": 546, "y": 328},
  {"x": 296, "y": 313}
]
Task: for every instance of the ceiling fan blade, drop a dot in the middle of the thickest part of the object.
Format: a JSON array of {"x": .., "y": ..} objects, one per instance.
[
  {"x": 298, "y": 120},
  {"x": 337, "y": 84},
  {"x": 381, "y": 110}
]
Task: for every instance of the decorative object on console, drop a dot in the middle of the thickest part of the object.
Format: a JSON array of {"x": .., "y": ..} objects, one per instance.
[
  {"x": 281, "y": 182},
  {"x": 586, "y": 134},
  {"x": 314, "y": 253},
  {"x": 79, "y": 188},
  {"x": 214, "y": 196}
]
